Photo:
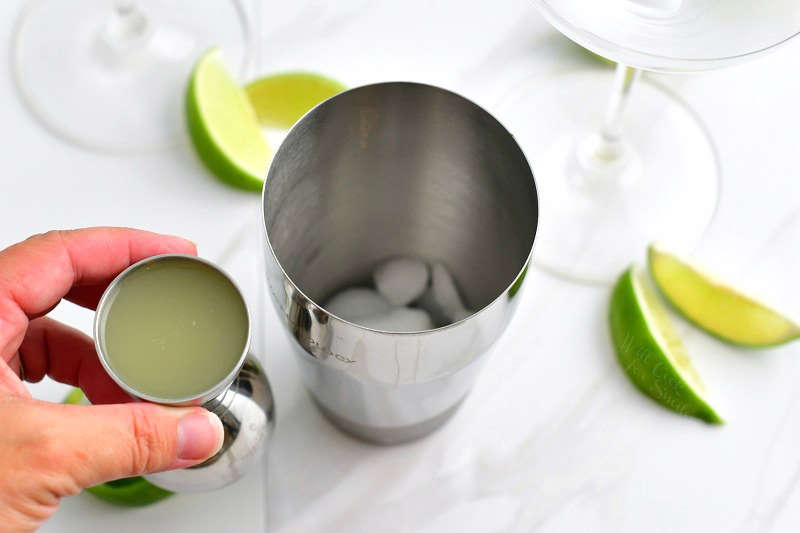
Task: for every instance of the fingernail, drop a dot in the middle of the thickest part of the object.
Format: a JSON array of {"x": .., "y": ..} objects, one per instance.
[{"x": 200, "y": 435}]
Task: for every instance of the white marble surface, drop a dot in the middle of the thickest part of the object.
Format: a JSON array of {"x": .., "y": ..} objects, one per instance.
[{"x": 554, "y": 437}]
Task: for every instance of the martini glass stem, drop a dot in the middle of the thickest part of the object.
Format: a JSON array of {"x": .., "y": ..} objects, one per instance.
[
  {"x": 605, "y": 152},
  {"x": 624, "y": 79},
  {"x": 128, "y": 23},
  {"x": 125, "y": 36}
]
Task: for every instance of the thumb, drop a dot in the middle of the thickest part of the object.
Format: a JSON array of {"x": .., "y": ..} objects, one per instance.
[{"x": 97, "y": 443}]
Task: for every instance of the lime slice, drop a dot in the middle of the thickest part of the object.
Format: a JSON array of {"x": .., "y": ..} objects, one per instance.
[
  {"x": 715, "y": 307},
  {"x": 650, "y": 351},
  {"x": 74, "y": 396},
  {"x": 281, "y": 99},
  {"x": 601, "y": 59},
  {"x": 128, "y": 492},
  {"x": 223, "y": 125}
]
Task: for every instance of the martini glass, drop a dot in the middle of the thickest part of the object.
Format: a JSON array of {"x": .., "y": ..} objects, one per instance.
[
  {"x": 616, "y": 173},
  {"x": 110, "y": 75}
]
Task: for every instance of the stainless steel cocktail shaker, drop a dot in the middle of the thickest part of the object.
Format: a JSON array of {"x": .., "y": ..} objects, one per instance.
[{"x": 395, "y": 169}]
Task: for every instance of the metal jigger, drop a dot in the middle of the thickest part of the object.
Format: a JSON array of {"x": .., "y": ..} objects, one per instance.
[
  {"x": 243, "y": 401},
  {"x": 247, "y": 411}
]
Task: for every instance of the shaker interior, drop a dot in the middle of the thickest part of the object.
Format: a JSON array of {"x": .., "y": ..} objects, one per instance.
[{"x": 400, "y": 169}]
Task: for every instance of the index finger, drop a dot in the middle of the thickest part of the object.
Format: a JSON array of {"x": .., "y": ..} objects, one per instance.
[{"x": 36, "y": 273}]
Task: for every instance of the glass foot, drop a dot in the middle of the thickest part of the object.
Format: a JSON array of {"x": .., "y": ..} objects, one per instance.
[
  {"x": 111, "y": 75},
  {"x": 597, "y": 215}
]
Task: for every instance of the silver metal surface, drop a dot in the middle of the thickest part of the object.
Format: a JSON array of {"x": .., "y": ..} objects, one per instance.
[
  {"x": 99, "y": 329},
  {"x": 243, "y": 401},
  {"x": 247, "y": 411},
  {"x": 385, "y": 170}
]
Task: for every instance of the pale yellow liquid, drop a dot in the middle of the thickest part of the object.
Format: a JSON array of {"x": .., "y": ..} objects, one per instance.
[{"x": 175, "y": 329}]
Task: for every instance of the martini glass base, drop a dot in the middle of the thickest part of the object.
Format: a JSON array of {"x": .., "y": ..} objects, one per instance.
[
  {"x": 110, "y": 75},
  {"x": 597, "y": 215}
]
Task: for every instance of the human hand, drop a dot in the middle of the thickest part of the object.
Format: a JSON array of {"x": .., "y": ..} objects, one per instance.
[{"x": 49, "y": 451}]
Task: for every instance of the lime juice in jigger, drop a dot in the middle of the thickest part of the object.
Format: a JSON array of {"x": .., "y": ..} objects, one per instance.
[{"x": 175, "y": 329}]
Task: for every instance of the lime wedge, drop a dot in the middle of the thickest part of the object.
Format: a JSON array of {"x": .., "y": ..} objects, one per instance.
[
  {"x": 281, "y": 99},
  {"x": 601, "y": 59},
  {"x": 74, "y": 396},
  {"x": 716, "y": 307},
  {"x": 127, "y": 492},
  {"x": 223, "y": 125},
  {"x": 650, "y": 351}
]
